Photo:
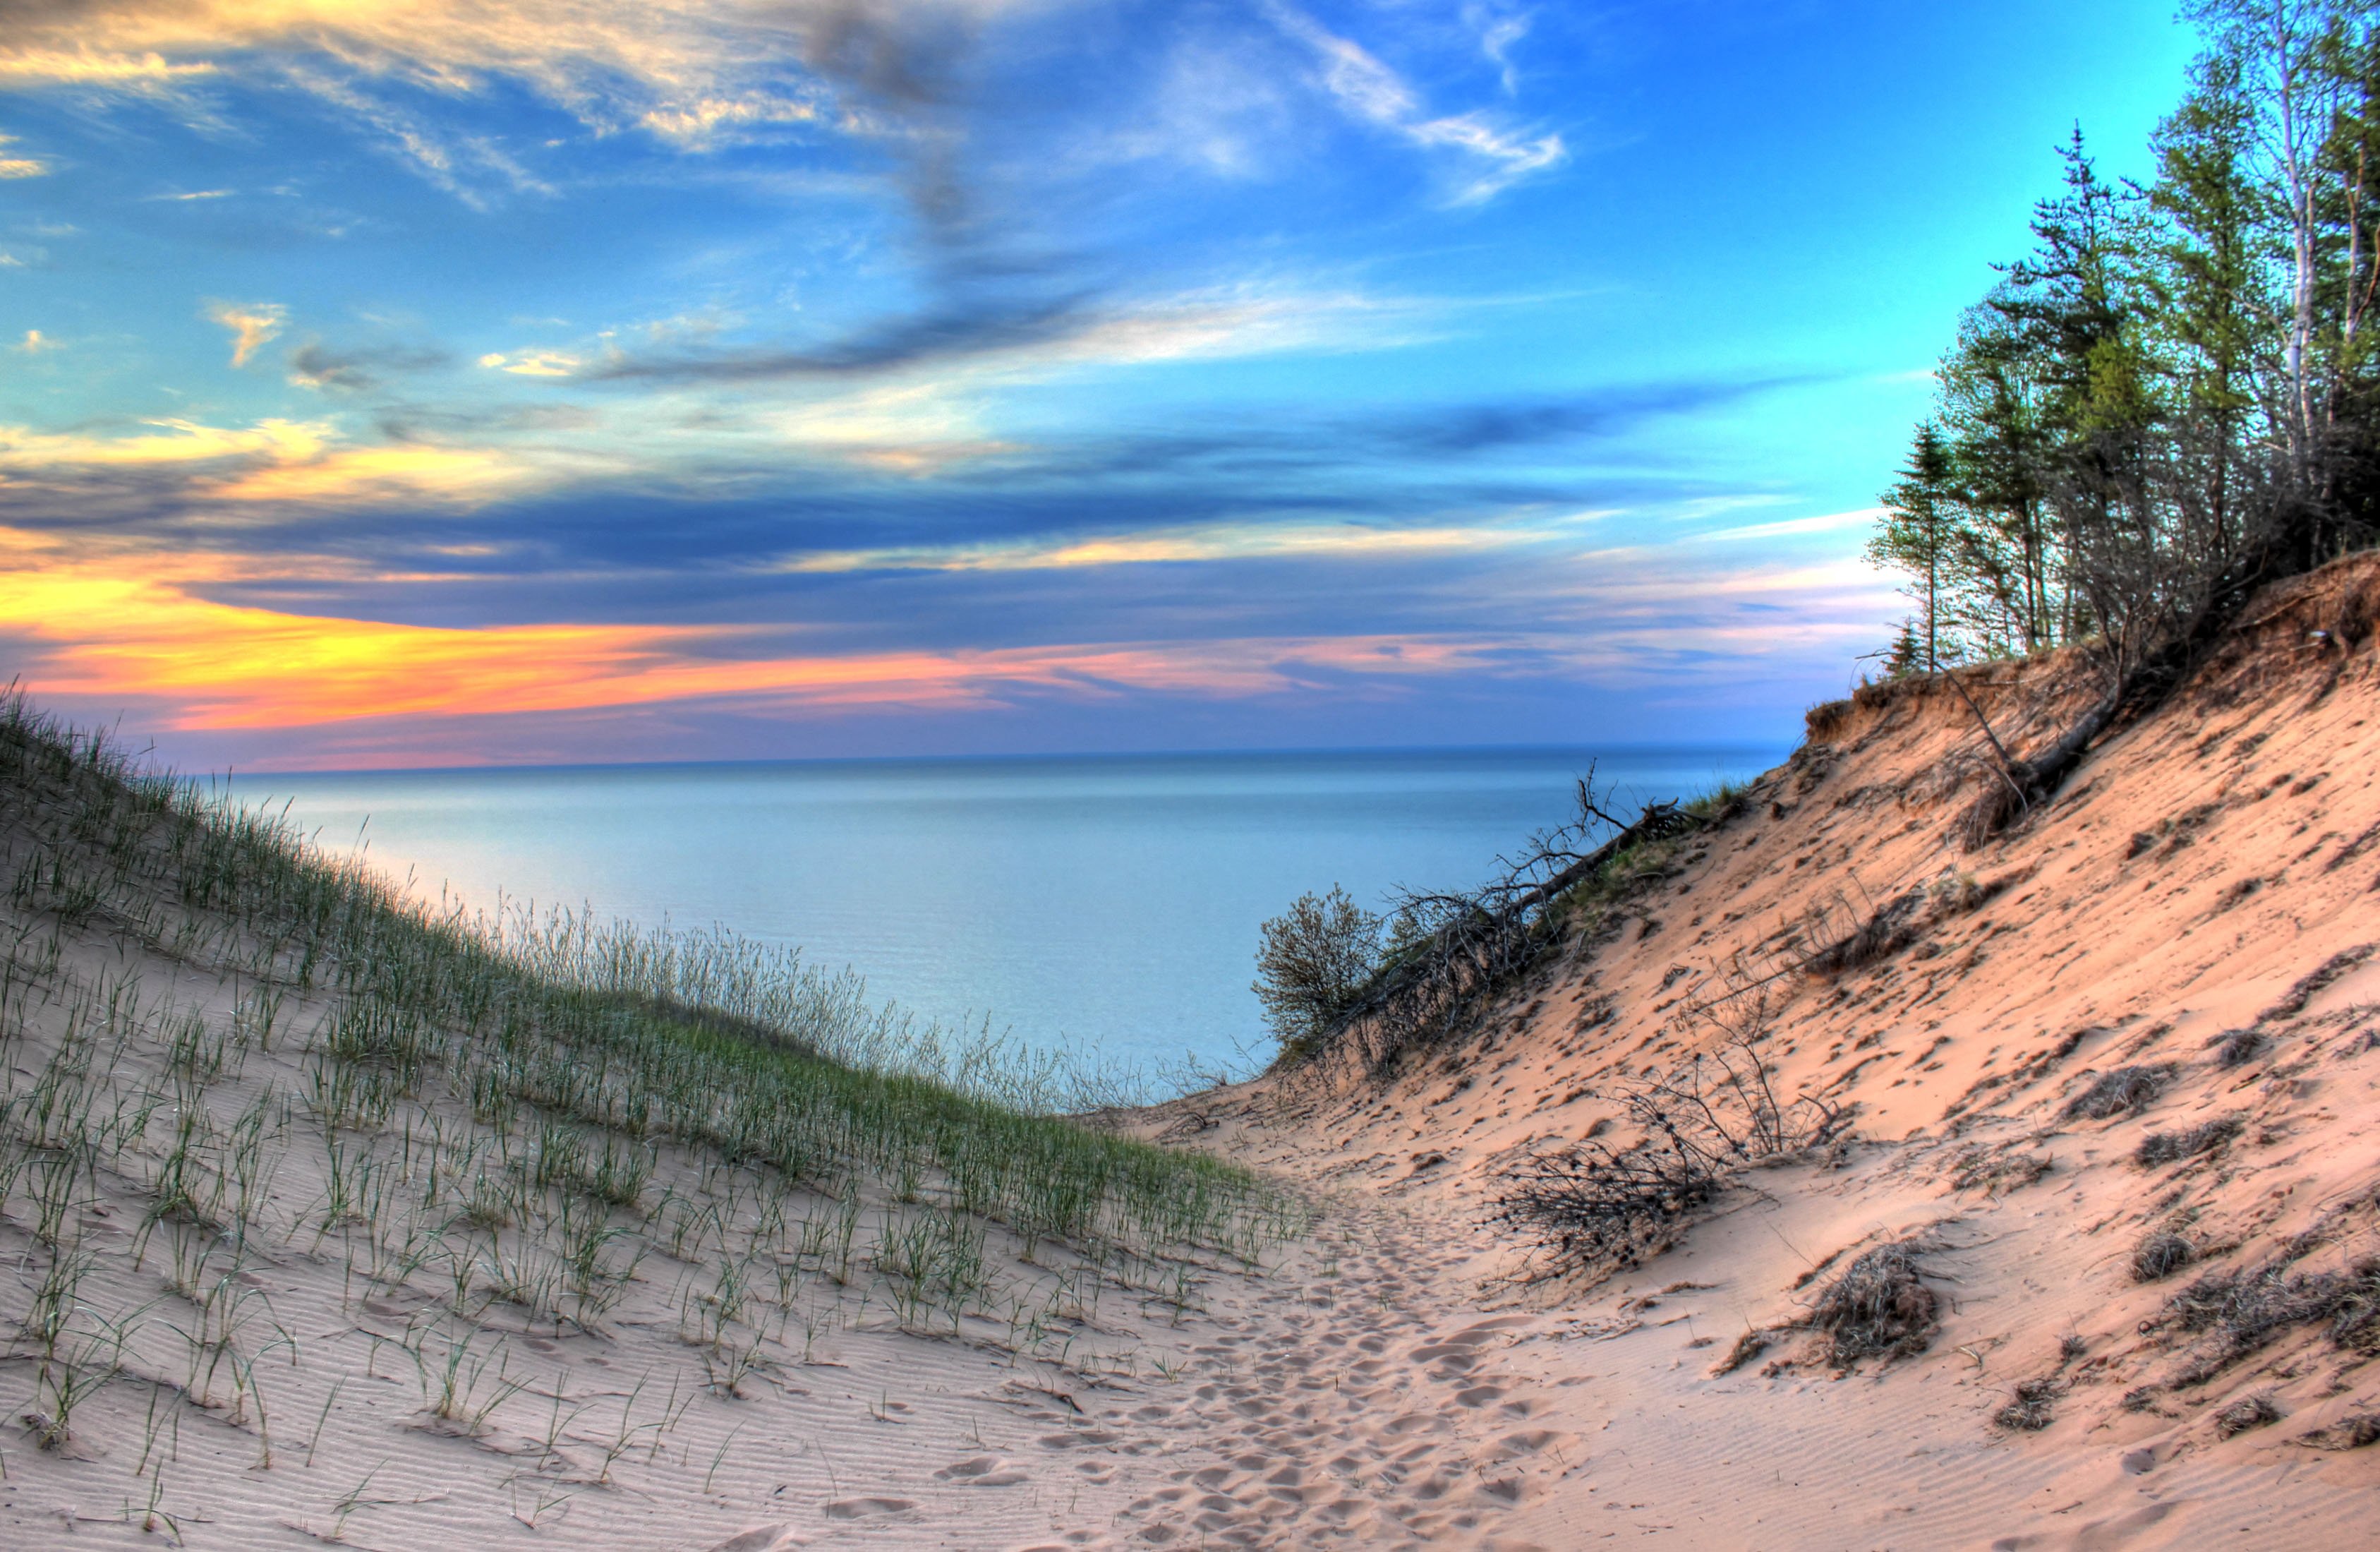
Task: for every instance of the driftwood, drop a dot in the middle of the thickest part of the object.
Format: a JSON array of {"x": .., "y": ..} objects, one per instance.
[
  {"x": 2140, "y": 685},
  {"x": 1593, "y": 1207},
  {"x": 1463, "y": 948}
]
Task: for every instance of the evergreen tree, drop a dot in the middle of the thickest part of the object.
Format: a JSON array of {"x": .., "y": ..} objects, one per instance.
[
  {"x": 2213, "y": 315},
  {"x": 2176, "y": 394},
  {"x": 1918, "y": 513}
]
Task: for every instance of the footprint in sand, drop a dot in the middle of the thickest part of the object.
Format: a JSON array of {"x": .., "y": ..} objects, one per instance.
[
  {"x": 983, "y": 1471},
  {"x": 1446, "y": 1356},
  {"x": 866, "y": 1509},
  {"x": 761, "y": 1538}
]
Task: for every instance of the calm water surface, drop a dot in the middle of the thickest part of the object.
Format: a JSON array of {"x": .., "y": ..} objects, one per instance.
[{"x": 1113, "y": 900}]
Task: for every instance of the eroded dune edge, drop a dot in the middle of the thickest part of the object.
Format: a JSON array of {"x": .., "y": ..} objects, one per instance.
[{"x": 2086, "y": 1253}]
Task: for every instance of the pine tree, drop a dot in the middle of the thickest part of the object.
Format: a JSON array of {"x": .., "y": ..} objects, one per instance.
[
  {"x": 2215, "y": 312},
  {"x": 2175, "y": 395},
  {"x": 1919, "y": 511}
]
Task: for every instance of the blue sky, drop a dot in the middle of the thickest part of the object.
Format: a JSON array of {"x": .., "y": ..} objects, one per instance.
[{"x": 431, "y": 383}]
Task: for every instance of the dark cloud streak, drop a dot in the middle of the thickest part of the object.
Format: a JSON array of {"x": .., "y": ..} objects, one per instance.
[
  {"x": 1398, "y": 465},
  {"x": 316, "y": 365},
  {"x": 955, "y": 328}
]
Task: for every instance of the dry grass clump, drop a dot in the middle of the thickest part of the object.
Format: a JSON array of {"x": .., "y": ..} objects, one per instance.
[
  {"x": 1750, "y": 1345},
  {"x": 1593, "y": 1208},
  {"x": 2001, "y": 1172},
  {"x": 2359, "y": 1431},
  {"x": 2032, "y": 1406},
  {"x": 2164, "y": 1147},
  {"x": 1826, "y": 719},
  {"x": 2238, "y": 1047},
  {"x": 2249, "y": 1412},
  {"x": 1899, "y": 922},
  {"x": 1892, "y": 928},
  {"x": 2293, "y": 1001},
  {"x": 2123, "y": 1092},
  {"x": 2241, "y": 1313},
  {"x": 2160, "y": 1255},
  {"x": 1880, "y": 1305}
]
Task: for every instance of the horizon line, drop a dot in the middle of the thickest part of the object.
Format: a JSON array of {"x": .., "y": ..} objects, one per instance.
[{"x": 229, "y": 775}]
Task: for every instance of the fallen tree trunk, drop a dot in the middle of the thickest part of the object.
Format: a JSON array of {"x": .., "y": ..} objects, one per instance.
[
  {"x": 1482, "y": 942},
  {"x": 2161, "y": 671}
]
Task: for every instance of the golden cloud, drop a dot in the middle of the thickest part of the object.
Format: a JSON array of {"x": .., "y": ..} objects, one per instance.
[
  {"x": 531, "y": 364},
  {"x": 20, "y": 167},
  {"x": 278, "y": 460},
  {"x": 688, "y": 71},
  {"x": 252, "y": 325},
  {"x": 366, "y": 474},
  {"x": 129, "y": 625},
  {"x": 172, "y": 442},
  {"x": 87, "y": 67},
  {"x": 701, "y": 122}
]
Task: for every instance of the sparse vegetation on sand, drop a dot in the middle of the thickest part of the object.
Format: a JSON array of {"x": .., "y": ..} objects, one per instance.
[
  {"x": 1593, "y": 1207},
  {"x": 2236, "y": 1314},
  {"x": 223, "y": 1053}
]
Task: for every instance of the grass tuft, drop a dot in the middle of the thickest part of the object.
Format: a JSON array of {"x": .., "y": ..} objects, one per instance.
[
  {"x": 1879, "y": 1306},
  {"x": 2123, "y": 1092},
  {"x": 2166, "y": 1147},
  {"x": 2160, "y": 1255}
]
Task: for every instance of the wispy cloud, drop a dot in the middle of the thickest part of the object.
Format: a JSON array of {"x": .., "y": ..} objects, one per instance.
[
  {"x": 352, "y": 476},
  {"x": 1371, "y": 92},
  {"x": 1564, "y": 535},
  {"x": 1500, "y": 32},
  {"x": 169, "y": 443},
  {"x": 1832, "y": 522},
  {"x": 88, "y": 67},
  {"x": 252, "y": 325},
  {"x": 302, "y": 463},
  {"x": 20, "y": 167},
  {"x": 687, "y": 72},
  {"x": 710, "y": 121},
  {"x": 475, "y": 168},
  {"x": 1009, "y": 333},
  {"x": 1204, "y": 543},
  {"x": 956, "y": 329}
]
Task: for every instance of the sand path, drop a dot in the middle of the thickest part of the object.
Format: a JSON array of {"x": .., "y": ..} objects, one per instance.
[{"x": 1358, "y": 1398}]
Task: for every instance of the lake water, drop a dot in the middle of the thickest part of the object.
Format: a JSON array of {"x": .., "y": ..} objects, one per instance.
[{"x": 1108, "y": 900}]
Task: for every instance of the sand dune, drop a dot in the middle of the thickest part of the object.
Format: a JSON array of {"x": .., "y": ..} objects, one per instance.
[
  {"x": 2180, "y": 948},
  {"x": 2201, "y": 903}
]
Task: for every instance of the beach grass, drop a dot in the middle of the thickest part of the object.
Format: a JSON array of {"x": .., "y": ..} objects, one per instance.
[{"x": 508, "y": 1121}]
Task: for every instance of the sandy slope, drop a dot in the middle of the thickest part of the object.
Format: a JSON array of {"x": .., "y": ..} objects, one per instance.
[
  {"x": 2187, "y": 883},
  {"x": 1388, "y": 1381}
]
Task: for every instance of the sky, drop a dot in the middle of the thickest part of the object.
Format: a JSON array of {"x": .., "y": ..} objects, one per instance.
[{"x": 391, "y": 383}]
